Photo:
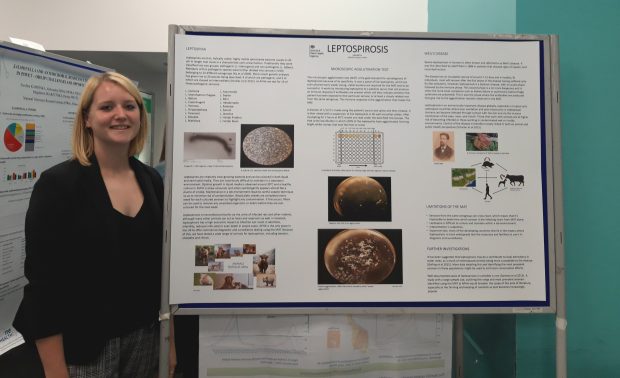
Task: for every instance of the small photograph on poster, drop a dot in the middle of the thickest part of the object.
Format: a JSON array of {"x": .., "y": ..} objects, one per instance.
[
  {"x": 267, "y": 146},
  {"x": 216, "y": 266},
  {"x": 265, "y": 280},
  {"x": 463, "y": 177},
  {"x": 209, "y": 146},
  {"x": 360, "y": 256},
  {"x": 359, "y": 198},
  {"x": 333, "y": 338},
  {"x": 222, "y": 251},
  {"x": 201, "y": 254},
  {"x": 443, "y": 146},
  {"x": 481, "y": 142},
  {"x": 265, "y": 263},
  {"x": 204, "y": 279},
  {"x": 236, "y": 252},
  {"x": 249, "y": 249},
  {"x": 232, "y": 281}
]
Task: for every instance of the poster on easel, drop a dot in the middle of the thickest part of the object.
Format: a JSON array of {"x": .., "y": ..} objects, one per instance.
[{"x": 339, "y": 170}]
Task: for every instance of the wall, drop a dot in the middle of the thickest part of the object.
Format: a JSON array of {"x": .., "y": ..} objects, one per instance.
[
  {"x": 589, "y": 51},
  {"x": 142, "y": 25},
  {"x": 472, "y": 16},
  {"x": 590, "y": 102},
  {"x": 589, "y": 55},
  {"x": 534, "y": 335},
  {"x": 96, "y": 28}
]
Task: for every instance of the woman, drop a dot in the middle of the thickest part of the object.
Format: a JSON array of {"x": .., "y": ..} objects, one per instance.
[{"x": 93, "y": 245}]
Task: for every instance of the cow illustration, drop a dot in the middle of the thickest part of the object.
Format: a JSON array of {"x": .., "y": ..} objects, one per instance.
[{"x": 516, "y": 178}]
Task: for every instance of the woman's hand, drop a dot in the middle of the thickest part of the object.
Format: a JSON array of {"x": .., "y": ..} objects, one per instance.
[{"x": 52, "y": 356}]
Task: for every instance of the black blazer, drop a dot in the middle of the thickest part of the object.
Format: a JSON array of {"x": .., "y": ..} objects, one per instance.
[{"x": 71, "y": 259}]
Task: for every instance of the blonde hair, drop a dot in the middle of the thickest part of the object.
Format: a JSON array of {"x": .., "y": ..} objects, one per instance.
[{"x": 83, "y": 144}]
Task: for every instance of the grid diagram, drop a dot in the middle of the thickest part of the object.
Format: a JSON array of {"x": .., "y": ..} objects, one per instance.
[{"x": 358, "y": 147}]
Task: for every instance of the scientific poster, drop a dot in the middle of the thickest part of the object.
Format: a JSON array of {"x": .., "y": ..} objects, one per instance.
[
  {"x": 394, "y": 346},
  {"x": 38, "y": 99},
  {"x": 315, "y": 171}
]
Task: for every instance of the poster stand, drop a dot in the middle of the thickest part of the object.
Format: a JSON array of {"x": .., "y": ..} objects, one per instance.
[
  {"x": 560, "y": 264},
  {"x": 551, "y": 218}
]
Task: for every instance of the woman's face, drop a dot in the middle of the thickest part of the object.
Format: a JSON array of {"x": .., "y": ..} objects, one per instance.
[{"x": 114, "y": 115}]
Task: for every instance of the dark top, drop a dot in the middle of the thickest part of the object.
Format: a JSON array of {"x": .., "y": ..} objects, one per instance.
[
  {"x": 93, "y": 273},
  {"x": 446, "y": 154}
]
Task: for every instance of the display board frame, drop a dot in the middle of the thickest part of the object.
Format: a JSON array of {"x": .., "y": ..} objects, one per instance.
[{"x": 551, "y": 189}]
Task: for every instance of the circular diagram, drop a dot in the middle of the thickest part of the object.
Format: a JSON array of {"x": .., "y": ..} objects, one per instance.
[
  {"x": 360, "y": 257},
  {"x": 267, "y": 145}
]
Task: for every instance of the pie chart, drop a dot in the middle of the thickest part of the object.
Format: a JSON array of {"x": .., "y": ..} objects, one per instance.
[{"x": 14, "y": 137}]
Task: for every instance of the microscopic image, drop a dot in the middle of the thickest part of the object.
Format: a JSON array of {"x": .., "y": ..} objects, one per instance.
[
  {"x": 267, "y": 146},
  {"x": 205, "y": 146},
  {"x": 360, "y": 256},
  {"x": 359, "y": 198}
]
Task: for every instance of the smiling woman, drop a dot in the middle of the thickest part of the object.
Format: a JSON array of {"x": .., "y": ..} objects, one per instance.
[
  {"x": 101, "y": 95},
  {"x": 113, "y": 117},
  {"x": 112, "y": 206}
]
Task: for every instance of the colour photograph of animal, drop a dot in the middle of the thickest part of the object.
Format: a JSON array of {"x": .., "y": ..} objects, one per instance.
[
  {"x": 269, "y": 280},
  {"x": 228, "y": 283},
  {"x": 266, "y": 280},
  {"x": 233, "y": 281},
  {"x": 249, "y": 249},
  {"x": 206, "y": 280},
  {"x": 222, "y": 251},
  {"x": 239, "y": 285},
  {"x": 263, "y": 264},
  {"x": 204, "y": 255}
]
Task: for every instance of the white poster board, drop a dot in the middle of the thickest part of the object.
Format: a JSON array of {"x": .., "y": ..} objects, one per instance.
[
  {"x": 332, "y": 170},
  {"x": 39, "y": 93},
  {"x": 365, "y": 346},
  {"x": 146, "y": 155}
]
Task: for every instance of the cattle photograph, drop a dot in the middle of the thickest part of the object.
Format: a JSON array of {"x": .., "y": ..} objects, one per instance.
[{"x": 264, "y": 262}]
